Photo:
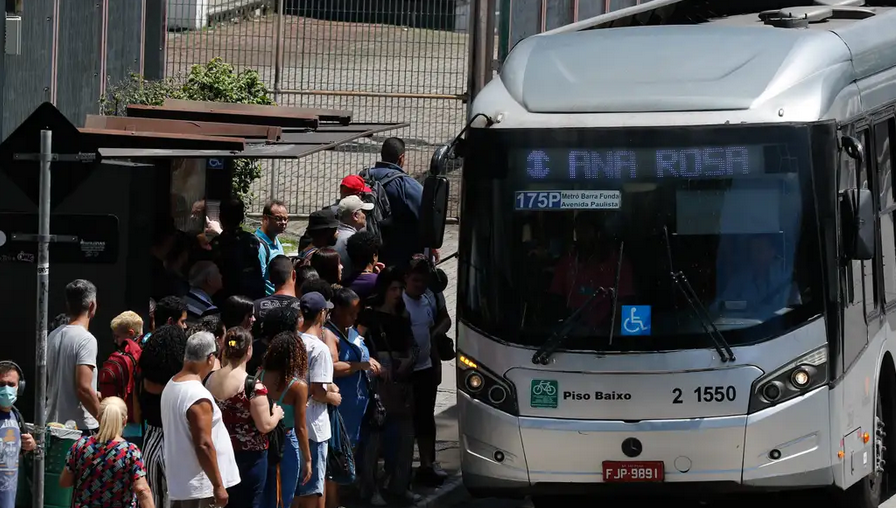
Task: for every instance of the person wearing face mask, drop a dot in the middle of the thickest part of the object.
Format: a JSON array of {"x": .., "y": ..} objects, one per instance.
[
  {"x": 13, "y": 437},
  {"x": 591, "y": 264}
]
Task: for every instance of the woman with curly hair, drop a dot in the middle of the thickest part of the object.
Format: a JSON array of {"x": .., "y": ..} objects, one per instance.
[
  {"x": 283, "y": 373},
  {"x": 162, "y": 358}
]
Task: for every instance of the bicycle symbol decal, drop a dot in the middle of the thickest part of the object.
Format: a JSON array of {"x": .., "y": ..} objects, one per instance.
[
  {"x": 635, "y": 320},
  {"x": 544, "y": 388},
  {"x": 543, "y": 394}
]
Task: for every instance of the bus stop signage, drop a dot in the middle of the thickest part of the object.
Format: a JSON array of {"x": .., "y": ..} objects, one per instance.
[{"x": 568, "y": 200}]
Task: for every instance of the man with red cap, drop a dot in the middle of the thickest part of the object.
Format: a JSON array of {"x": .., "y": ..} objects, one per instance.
[{"x": 352, "y": 185}]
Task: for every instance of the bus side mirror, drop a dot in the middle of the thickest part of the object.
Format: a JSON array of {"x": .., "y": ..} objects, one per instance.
[
  {"x": 434, "y": 211},
  {"x": 857, "y": 210},
  {"x": 439, "y": 160},
  {"x": 857, "y": 216}
]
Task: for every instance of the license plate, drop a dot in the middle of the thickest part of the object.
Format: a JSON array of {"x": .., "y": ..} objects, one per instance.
[{"x": 641, "y": 471}]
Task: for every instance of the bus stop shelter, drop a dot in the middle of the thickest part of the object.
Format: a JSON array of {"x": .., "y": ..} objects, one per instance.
[{"x": 112, "y": 179}]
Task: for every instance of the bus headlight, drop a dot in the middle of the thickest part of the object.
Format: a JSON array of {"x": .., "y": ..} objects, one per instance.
[
  {"x": 474, "y": 381},
  {"x": 796, "y": 378},
  {"x": 487, "y": 387}
]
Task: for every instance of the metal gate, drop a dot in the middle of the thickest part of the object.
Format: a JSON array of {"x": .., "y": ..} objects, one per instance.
[{"x": 385, "y": 60}]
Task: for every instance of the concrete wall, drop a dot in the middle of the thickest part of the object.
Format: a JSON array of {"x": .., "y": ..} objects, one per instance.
[
  {"x": 98, "y": 42},
  {"x": 197, "y": 14}
]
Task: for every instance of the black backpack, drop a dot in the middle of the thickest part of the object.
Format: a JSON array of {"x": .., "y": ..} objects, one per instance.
[
  {"x": 276, "y": 437},
  {"x": 236, "y": 254},
  {"x": 382, "y": 210}
]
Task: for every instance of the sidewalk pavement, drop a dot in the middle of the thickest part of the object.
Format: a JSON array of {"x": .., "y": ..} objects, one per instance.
[
  {"x": 447, "y": 449},
  {"x": 452, "y": 491}
]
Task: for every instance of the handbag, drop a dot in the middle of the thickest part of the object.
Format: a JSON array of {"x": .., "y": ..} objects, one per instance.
[
  {"x": 375, "y": 414},
  {"x": 396, "y": 396},
  {"x": 375, "y": 417},
  {"x": 340, "y": 457}
]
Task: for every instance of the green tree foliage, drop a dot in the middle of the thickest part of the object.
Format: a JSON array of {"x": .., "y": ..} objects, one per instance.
[{"x": 216, "y": 81}]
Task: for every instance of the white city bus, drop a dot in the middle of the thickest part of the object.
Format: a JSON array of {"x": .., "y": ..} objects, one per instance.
[{"x": 678, "y": 270}]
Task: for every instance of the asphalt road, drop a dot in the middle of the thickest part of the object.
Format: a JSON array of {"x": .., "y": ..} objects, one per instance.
[{"x": 789, "y": 501}]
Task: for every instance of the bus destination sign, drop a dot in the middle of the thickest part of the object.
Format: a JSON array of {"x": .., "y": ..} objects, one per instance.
[
  {"x": 568, "y": 200},
  {"x": 649, "y": 163}
]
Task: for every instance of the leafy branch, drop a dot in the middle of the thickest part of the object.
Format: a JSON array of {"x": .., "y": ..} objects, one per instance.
[{"x": 216, "y": 81}]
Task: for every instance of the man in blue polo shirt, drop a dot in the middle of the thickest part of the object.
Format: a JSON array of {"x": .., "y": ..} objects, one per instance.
[{"x": 275, "y": 218}]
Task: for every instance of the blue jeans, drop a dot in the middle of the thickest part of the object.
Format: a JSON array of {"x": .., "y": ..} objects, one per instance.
[
  {"x": 289, "y": 474},
  {"x": 253, "y": 467}
]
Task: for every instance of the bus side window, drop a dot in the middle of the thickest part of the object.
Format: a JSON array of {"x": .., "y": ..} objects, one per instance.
[{"x": 883, "y": 157}]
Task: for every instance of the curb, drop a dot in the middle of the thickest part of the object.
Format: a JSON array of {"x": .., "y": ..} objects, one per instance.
[{"x": 451, "y": 493}]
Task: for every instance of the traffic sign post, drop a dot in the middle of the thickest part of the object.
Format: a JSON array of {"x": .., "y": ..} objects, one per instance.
[{"x": 43, "y": 238}]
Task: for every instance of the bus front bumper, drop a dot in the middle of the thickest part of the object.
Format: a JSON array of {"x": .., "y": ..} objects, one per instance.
[{"x": 514, "y": 456}]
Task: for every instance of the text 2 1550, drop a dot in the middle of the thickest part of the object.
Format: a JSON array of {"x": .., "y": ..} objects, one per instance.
[{"x": 706, "y": 394}]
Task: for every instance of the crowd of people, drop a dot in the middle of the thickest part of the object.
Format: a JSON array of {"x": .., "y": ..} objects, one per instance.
[{"x": 260, "y": 380}]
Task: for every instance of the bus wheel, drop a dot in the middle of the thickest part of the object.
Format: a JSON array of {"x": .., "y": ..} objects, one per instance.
[{"x": 867, "y": 492}]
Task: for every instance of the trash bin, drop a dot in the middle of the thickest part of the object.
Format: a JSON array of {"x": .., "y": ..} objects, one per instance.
[{"x": 59, "y": 442}]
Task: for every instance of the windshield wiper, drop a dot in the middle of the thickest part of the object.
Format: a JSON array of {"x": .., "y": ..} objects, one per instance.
[
  {"x": 551, "y": 345},
  {"x": 682, "y": 283}
]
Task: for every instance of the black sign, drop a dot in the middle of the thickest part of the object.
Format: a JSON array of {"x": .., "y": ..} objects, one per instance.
[
  {"x": 590, "y": 165},
  {"x": 97, "y": 238}
]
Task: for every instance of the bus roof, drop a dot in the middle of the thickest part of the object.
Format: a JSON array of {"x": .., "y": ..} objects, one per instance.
[{"x": 727, "y": 63}]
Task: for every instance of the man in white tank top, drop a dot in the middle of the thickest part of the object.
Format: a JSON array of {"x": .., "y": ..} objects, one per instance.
[{"x": 200, "y": 469}]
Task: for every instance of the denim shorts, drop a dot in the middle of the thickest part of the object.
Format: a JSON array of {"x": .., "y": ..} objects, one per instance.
[{"x": 315, "y": 486}]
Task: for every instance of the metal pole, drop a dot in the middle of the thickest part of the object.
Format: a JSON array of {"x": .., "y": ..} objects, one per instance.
[
  {"x": 43, "y": 290},
  {"x": 476, "y": 78},
  {"x": 2, "y": 74},
  {"x": 278, "y": 48}
]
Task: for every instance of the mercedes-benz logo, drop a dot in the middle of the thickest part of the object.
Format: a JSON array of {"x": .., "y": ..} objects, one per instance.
[{"x": 631, "y": 447}]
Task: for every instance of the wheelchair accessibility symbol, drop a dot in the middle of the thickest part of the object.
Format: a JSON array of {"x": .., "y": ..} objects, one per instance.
[{"x": 635, "y": 320}]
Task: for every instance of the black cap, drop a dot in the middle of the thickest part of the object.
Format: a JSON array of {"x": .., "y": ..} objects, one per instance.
[
  {"x": 322, "y": 219},
  {"x": 313, "y": 303}
]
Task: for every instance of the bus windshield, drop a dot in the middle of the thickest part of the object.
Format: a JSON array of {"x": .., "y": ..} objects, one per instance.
[{"x": 554, "y": 217}]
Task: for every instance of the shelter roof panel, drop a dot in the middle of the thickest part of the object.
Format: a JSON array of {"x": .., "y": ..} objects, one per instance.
[{"x": 325, "y": 115}]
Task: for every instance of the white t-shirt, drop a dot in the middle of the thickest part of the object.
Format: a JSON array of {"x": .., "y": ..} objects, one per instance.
[
  {"x": 67, "y": 347},
  {"x": 186, "y": 479},
  {"x": 423, "y": 312},
  {"x": 320, "y": 370}
]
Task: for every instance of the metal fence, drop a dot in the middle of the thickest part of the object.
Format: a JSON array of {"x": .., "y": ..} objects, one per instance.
[
  {"x": 529, "y": 17},
  {"x": 385, "y": 60}
]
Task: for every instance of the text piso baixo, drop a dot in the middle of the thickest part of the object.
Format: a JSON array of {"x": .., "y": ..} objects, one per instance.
[{"x": 597, "y": 395}]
